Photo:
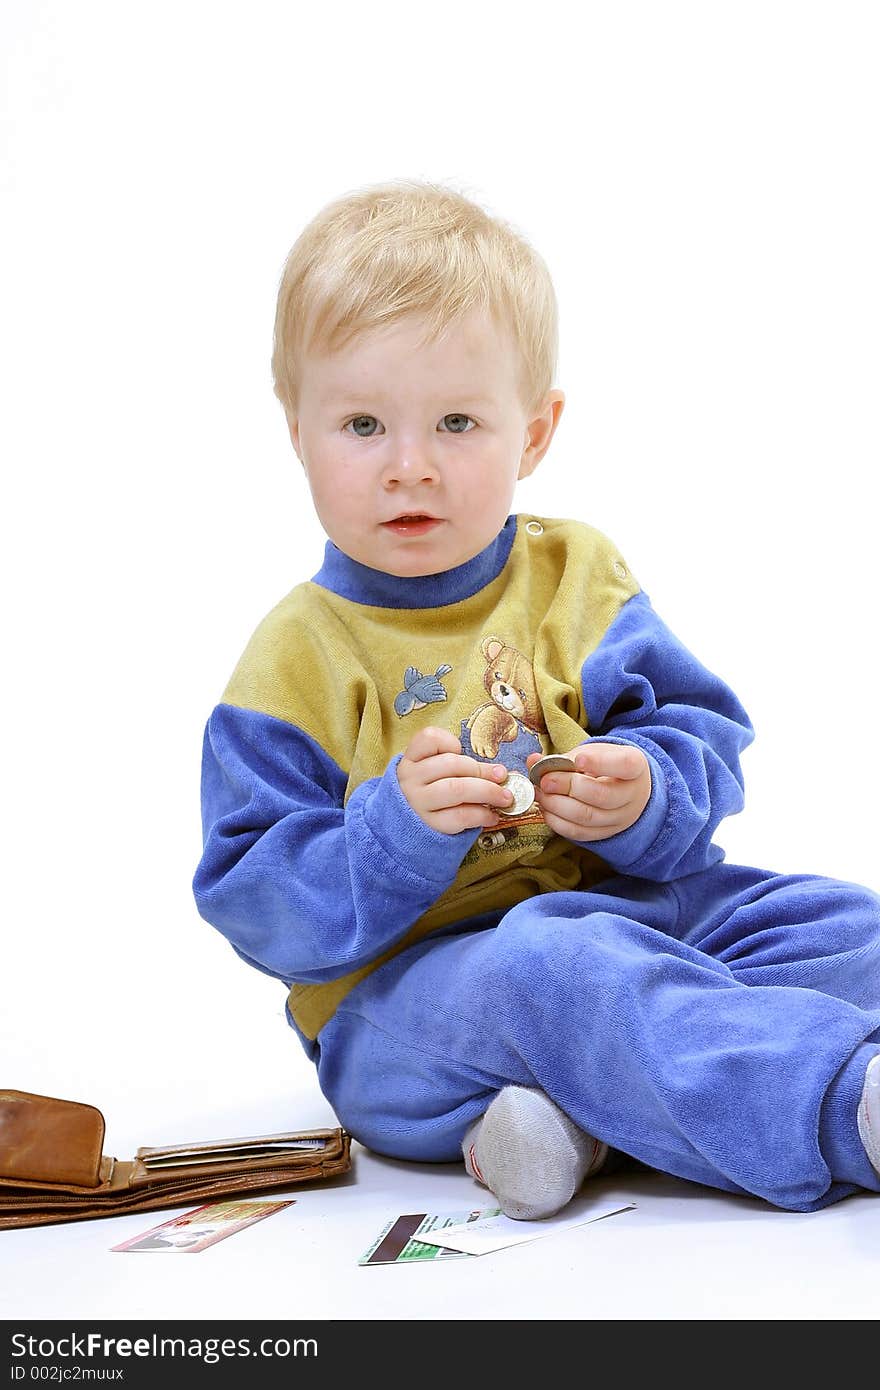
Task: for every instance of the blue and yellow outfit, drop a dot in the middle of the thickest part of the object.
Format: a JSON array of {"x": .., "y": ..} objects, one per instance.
[{"x": 710, "y": 1020}]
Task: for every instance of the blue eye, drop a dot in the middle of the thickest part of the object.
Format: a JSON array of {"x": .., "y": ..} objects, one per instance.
[
  {"x": 454, "y": 429},
  {"x": 361, "y": 420}
]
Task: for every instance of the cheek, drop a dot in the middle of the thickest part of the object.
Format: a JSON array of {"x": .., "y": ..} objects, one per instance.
[
  {"x": 486, "y": 480},
  {"x": 336, "y": 485}
]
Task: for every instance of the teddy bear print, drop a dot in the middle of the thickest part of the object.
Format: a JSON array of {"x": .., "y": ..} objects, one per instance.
[{"x": 513, "y": 714}]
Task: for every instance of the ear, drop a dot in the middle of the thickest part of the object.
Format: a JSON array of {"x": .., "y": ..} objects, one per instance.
[
  {"x": 539, "y": 432},
  {"x": 293, "y": 430},
  {"x": 490, "y": 647}
]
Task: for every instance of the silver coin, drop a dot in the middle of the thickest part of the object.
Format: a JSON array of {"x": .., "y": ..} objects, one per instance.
[
  {"x": 523, "y": 795},
  {"x": 553, "y": 762}
]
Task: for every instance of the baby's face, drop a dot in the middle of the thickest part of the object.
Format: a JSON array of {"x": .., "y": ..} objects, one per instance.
[{"x": 412, "y": 452}]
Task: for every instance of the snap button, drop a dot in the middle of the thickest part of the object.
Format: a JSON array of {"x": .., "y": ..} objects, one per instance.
[
  {"x": 619, "y": 570},
  {"x": 534, "y": 528}
]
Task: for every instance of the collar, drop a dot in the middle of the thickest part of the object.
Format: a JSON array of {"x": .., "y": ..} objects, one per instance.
[{"x": 350, "y": 579}]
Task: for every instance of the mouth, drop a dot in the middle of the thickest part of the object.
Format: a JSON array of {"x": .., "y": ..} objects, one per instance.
[{"x": 411, "y": 523}]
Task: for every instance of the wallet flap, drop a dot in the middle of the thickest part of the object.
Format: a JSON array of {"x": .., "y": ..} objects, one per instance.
[
  {"x": 302, "y": 1146},
  {"x": 45, "y": 1140},
  {"x": 234, "y": 1150}
]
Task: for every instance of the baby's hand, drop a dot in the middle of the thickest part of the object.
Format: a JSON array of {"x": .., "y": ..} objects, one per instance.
[
  {"x": 606, "y": 794},
  {"x": 446, "y": 789}
]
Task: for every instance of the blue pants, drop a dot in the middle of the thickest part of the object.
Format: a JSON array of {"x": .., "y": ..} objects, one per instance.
[{"x": 717, "y": 1028}]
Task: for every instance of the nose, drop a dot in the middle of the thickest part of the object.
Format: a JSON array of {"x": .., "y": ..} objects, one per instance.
[{"x": 409, "y": 463}]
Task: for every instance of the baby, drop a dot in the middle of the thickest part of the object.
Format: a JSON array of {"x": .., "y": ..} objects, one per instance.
[{"x": 546, "y": 980}]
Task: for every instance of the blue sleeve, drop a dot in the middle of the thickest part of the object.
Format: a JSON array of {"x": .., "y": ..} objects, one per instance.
[
  {"x": 305, "y": 886},
  {"x": 642, "y": 687}
]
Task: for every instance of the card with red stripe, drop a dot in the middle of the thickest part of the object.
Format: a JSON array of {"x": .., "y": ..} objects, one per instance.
[{"x": 196, "y": 1230}]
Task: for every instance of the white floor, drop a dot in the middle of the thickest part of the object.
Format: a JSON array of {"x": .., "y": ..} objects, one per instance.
[{"x": 684, "y": 1253}]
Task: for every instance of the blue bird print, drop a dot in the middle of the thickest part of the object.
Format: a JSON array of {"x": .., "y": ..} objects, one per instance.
[{"x": 420, "y": 690}]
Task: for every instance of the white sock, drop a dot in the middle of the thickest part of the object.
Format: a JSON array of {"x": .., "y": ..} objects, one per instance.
[
  {"x": 529, "y": 1153},
  {"x": 869, "y": 1113}
]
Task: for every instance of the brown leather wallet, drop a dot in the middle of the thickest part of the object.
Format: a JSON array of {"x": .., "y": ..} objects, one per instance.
[{"x": 52, "y": 1167}]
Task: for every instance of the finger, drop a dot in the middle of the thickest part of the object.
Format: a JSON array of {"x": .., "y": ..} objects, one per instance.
[
  {"x": 606, "y": 795},
  {"x": 433, "y": 769},
  {"x": 585, "y": 833},
  {"x": 495, "y": 772},
  {"x": 577, "y": 813},
  {"x": 465, "y": 791},
  {"x": 457, "y": 818},
  {"x": 430, "y": 741},
  {"x": 609, "y": 760},
  {"x": 446, "y": 765}
]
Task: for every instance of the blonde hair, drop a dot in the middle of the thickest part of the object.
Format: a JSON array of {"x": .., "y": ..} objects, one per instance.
[{"x": 411, "y": 247}]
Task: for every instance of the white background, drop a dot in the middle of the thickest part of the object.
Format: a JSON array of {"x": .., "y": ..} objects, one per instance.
[{"x": 701, "y": 179}]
